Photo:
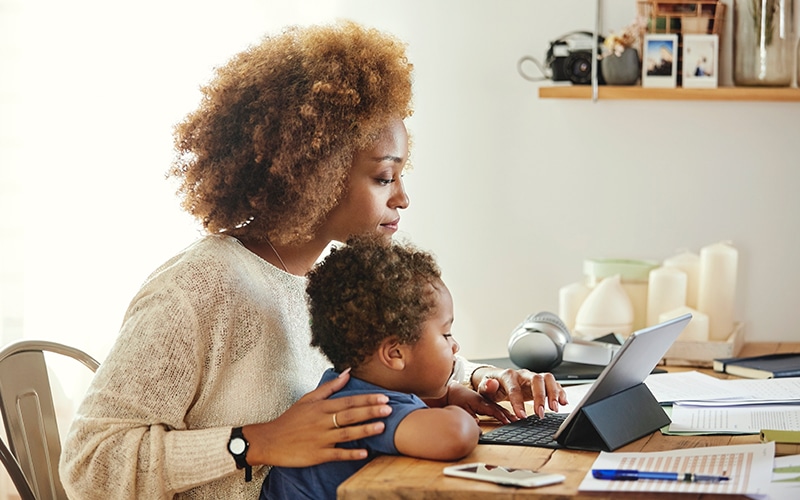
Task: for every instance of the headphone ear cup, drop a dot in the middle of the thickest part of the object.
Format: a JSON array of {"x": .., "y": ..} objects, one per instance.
[
  {"x": 538, "y": 342},
  {"x": 563, "y": 335}
]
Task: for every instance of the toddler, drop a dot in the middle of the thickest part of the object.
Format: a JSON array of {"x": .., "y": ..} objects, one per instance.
[{"x": 381, "y": 310}]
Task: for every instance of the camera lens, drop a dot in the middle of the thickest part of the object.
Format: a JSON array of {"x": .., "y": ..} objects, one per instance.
[{"x": 579, "y": 67}]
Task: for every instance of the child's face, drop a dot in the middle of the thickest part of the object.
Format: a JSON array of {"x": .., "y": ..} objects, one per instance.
[{"x": 433, "y": 356}]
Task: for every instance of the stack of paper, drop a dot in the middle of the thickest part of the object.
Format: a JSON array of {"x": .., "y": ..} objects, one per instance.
[{"x": 702, "y": 404}]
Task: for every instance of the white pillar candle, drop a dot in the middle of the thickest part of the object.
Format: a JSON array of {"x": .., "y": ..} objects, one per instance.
[
  {"x": 697, "y": 328},
  {"x": 689, "y": 263},
  {"x": 637, "y": 292},
  {"x": 666, "y": 291},
  {"x": 570, "y": 298},
  {"x": 717, "y": 292}
]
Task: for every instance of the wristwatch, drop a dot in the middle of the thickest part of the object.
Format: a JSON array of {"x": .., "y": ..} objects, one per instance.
[{"x": 237, "y": 446}]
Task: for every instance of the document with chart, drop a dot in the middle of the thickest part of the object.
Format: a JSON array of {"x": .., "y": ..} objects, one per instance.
[{"x": 747, "y": 470}]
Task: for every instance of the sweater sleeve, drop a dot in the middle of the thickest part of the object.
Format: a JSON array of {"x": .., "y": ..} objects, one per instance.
[
  {"x": 130, "y": 438},
  {"x": 463, "y": 371}
]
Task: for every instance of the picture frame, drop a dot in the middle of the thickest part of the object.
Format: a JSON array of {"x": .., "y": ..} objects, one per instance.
[
  {"x": 660, "y": 60},
  {"x": 700, "y": 58}
]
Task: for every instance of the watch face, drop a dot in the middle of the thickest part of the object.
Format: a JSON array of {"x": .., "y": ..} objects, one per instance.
[{"x": 236, "y": 446}]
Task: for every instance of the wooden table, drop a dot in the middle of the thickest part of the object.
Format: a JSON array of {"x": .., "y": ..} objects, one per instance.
[{"x": 397, "y": 477}]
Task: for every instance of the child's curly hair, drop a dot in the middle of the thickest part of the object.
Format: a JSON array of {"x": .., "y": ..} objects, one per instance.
[
  {"x": 366, "y": 291},
  {"x": 268, "y": 151}
]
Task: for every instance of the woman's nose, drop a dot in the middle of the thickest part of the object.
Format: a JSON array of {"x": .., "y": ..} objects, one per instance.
[{"x": 400, "y": 197}]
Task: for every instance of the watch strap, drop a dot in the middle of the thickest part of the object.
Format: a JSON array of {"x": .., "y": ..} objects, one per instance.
[{"x": 241, "y": 458}]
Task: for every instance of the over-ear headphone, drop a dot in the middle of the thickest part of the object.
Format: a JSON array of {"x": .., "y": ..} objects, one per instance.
[
  {"x": 542, "y": 342},
  {"x": 538, "y": 342}
]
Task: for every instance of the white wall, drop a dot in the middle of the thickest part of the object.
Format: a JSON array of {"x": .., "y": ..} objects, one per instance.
[
  {"x": 510, "y": 191},
  {"x": 524, "y": 189}
]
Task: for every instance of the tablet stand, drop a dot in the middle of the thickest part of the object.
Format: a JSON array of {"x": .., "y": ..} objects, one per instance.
[{"x": 614, "y": 421}]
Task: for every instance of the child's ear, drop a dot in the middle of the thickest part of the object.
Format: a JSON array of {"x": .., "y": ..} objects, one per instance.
[{"x": 392, "y": 354}]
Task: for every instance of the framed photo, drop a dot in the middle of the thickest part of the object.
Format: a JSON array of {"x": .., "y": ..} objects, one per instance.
[
  {"x": 700, "y": 61},
  {"x": 660, "y": 61}
]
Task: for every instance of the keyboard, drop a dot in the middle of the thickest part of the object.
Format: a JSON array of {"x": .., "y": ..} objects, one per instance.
[{"x": 530, "y": 431}]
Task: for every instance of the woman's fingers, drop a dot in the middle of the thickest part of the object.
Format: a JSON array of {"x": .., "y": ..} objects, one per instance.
[
  {"x": 519, "y": 386},
  {"x": 353, "y": 432},
  {"x": 324, "y": 391},
  {"x": 307, "y": 434},
  {"x": 357, "y": 409},
  {"x": 556, "y": 393}
]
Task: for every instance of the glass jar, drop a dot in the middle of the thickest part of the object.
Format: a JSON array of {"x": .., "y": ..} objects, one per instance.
[{"x": 763, "y": 42}]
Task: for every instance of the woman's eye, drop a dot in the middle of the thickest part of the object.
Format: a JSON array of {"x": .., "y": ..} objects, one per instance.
[{"x": 385, "y": 182}]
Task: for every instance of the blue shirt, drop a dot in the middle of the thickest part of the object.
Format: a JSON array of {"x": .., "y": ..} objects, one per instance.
[{"x": 320, "y": 481}]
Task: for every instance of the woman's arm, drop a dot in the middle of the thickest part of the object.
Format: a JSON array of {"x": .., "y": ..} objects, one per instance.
[
  {"x": 129, "y": 438},
  {"x": 159, "y": 413},
  {"x": 448, "y": 433}
]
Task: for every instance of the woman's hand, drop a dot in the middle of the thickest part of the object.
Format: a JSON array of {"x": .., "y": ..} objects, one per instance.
[
  {"x": 307, "y": 433},
  {"x": 518, "y": 386}
]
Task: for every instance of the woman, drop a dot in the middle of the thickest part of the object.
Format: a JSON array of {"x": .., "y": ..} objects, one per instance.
[{"x": 299, "y": 141}]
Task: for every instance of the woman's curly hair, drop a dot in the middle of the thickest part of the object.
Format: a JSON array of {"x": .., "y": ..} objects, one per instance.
[
  {"x": 368, "y": 290},
  {"x": 268, "y": 151}
]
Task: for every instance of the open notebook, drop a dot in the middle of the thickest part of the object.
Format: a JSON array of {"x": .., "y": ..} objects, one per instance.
[{"x": 617, "y": 409}]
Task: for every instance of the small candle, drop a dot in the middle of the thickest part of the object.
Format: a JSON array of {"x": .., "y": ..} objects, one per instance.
[
  {"x": 717, "y": 292},
  {"x": 697, "y": 328},
  {"x": 666, "y": 291}
]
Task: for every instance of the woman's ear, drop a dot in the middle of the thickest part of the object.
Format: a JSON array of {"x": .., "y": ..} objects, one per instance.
[{"x": 392, "y": 354}]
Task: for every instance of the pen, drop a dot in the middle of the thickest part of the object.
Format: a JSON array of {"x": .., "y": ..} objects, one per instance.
[{"x": 633, "y": 475}]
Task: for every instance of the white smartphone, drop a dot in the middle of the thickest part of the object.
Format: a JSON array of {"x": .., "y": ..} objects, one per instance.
[{"x": 507, "y": 476}]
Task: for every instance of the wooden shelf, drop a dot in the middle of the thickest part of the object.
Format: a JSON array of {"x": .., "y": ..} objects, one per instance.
[{"x": 634, "y": 92}]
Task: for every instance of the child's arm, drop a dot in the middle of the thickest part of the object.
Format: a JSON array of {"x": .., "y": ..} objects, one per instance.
[
  {"x": 472, "y": 402},
  {"x": 447, "y": 433}
]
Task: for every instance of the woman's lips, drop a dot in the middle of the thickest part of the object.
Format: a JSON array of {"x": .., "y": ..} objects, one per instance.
[{"x": 392, "y": 225}]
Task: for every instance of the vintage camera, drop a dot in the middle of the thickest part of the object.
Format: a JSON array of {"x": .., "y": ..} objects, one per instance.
[{"x": 570, "y": 58}]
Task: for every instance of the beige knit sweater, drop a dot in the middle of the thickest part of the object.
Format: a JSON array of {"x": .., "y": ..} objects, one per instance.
[{"x": 216, "y": 338}]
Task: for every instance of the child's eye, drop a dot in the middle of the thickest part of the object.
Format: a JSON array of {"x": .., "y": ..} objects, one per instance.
[{"x": 447, "y": 335}]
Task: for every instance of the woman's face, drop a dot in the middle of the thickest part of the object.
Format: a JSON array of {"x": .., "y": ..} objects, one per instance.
[{"x": 375, "y": 192}]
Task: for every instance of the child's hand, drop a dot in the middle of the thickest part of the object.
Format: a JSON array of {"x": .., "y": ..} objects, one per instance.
[{"x": 475, "y": 404}]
